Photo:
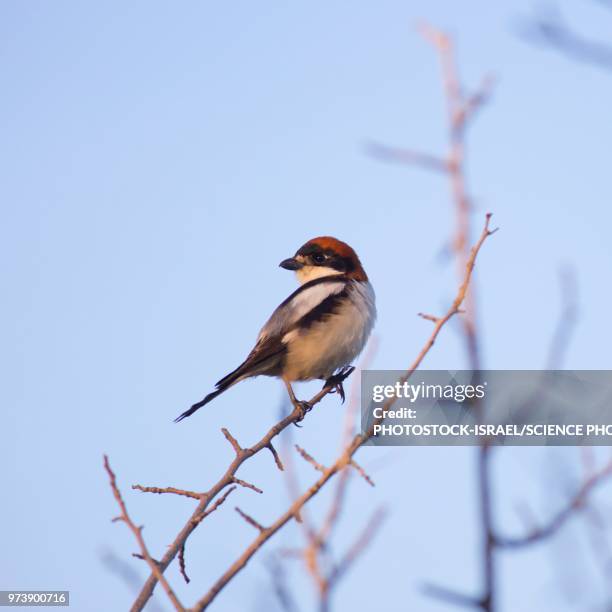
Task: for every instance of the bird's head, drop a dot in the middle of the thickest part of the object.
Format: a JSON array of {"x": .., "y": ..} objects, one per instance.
[{"x": 325, "y": 256}]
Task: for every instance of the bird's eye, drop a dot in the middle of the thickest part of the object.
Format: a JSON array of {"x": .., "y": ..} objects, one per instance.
[{"x": 318, "y": 258}]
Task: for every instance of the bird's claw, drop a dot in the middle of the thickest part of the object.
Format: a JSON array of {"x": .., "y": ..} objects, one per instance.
[
  {"x": 339, "y": 389},
  {"x": 303, "y": 407},
  {"x": 334, "y": 383}
]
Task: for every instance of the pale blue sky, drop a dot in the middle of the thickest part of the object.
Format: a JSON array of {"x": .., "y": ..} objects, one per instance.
[{"x": 159, "y": 159}]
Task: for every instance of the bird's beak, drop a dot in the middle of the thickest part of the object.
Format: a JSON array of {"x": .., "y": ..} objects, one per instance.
[{"x": 291, "y": 264}]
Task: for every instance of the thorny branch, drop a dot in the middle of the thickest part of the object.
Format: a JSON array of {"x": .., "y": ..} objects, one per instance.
[{"x": 228, "y": 479}]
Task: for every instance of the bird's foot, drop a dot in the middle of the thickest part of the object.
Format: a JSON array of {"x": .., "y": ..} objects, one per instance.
[
  {"x": 304, "y": 408},
  {"x": 334, "y": 383}
]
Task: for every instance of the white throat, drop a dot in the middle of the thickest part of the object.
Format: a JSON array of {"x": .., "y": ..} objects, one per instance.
[{"x": 308, "y": 273}]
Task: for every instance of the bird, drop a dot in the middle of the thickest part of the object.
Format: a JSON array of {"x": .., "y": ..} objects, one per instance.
[{"x": 318, "y": 330}]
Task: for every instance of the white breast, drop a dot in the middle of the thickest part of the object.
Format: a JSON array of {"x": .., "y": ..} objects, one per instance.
[{"x": 319, "y": 350}]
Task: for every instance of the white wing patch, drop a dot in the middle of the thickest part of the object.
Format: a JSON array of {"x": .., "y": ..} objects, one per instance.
[{"x": 304, "y": 301}]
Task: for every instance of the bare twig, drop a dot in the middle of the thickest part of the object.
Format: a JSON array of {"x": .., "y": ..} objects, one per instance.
[
  {"x": 310, "y": 459},
  {"x": 358, "y": 546},
  {"x": 159, "y": 491},
  {"x": 250, "y": 520},
  {"x": 228, "y": 436},
  {"x": 277, "y": 460},
  {"x": 247, "y": 485},
  {"x": 428, "y": 317},
  {"x": 362, "y": 472},
  {"x": 217, "y": 503},
  {"x": 200, "y": 512},
  {"x": 182, "y": 567},
  {"x": 137, "y": 531}
]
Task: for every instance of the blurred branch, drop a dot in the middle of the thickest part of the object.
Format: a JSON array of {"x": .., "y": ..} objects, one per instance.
[
  {"x": 362, "y": 473},
  {"x": 360, "y": 544},
  {"x": 452, "y": 597},
  {"x": 575, "y": 504},
  {"x": 567, "y": 320},
  {"x": 407, "y": 156},
  {"x": 550, "y": 30},
  {"x": 461, "y": 108},
  {"x": 279, "y": 582}
]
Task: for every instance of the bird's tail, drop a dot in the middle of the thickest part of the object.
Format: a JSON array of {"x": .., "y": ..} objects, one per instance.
[
  {"x": 263, "y": 359},
  {"x": 223, "y": 385},
  {"x": 199, "y": 404}
]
